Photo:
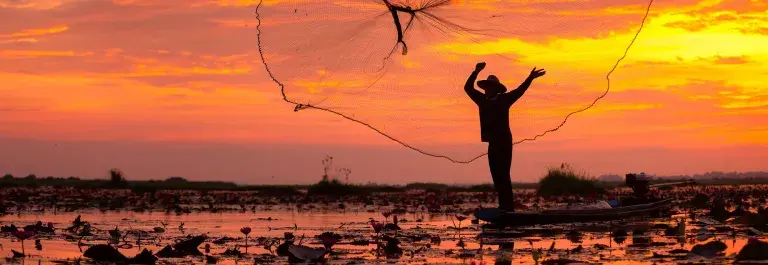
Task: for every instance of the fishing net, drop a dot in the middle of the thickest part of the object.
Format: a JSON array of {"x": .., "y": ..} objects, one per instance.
[{"x": 399, "y": 67}]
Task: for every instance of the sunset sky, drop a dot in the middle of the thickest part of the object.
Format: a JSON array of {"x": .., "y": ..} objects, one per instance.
[{"x": 177, "y": 88}]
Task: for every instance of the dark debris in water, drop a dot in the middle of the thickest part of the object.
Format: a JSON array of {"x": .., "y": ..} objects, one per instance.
[
  {"x": 563, "y": 262},
  {"x": 144, "y": 258},
  {"x": 104, "y": 253},
  {"x": 754, "y": 250},
  {"x": 710, "y": 249}
]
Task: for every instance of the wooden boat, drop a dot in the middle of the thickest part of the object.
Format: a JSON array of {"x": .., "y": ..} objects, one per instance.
[
  {"x": 500, "y": 217},
  {"x": 640, "y": 204}
]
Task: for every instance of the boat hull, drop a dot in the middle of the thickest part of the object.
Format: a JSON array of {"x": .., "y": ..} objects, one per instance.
[{"x": 500, "y": 217}]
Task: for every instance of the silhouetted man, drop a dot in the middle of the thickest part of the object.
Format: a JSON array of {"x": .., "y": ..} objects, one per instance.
[{"x": 494, "y": 126}]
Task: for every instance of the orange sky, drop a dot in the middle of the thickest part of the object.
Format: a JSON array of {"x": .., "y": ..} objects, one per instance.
[{"x": 162, "y": 88}]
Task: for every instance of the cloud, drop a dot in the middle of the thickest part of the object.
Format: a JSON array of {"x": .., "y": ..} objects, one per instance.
[
  {"x": 22, "y": 54},
  {"x": 236, "y": 23},
  {"x": 755, "y": 30},
  {"x": 16, "y": 41},
  {"x": 238, "y": 3},
  {"x": 738, "y": 6},
  {"x": 167, "y": 70},
  {"x": 732, "y": 60},
  {"x": 35, "y": 32},
  {"x": 33, "y": 4},
  {"x": 749, "y": 22},
  {"x": 741, "y": 103}
]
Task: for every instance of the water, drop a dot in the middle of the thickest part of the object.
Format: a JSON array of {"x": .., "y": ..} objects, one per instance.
[
  {"x": 425, "y": 238},
  {"x": 352, "y": 224}
]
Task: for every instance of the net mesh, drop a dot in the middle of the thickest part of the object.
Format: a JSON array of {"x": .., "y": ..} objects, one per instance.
[{"x": 399, "y": 67}]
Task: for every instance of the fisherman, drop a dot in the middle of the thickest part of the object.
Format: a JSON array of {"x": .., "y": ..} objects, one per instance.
[{"x": 494, "y": 107}]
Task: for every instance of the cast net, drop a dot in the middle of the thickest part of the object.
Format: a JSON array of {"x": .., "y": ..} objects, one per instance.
[{"x": 399, "y": 67}]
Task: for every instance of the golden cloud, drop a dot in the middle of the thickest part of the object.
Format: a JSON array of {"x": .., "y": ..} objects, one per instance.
[
  {"x": 26, "y": 54},
  {"x": 35, "y": 32}
]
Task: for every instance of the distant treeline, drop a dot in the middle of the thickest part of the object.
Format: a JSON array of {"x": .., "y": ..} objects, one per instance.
[
  {"x": 727, "y": 175},
  {"x": 179, "y": 183},
  {"x": 117, "y": 181},
  {"x": 753, "y": 177},
  {"x": 172, "y": 183}
]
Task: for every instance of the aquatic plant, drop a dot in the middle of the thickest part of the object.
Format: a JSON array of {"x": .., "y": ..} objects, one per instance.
[
  {"x": 188, "y": 246},
  {"x": 246, "y": 230},
  {"x": 460, "y": 218},
  {"x": 269, "y": 243},
  {"x": 566, "y": 181},
  {"x": 282, "y": 249},
  {"x": 210, "y": 260},
  {"x": 329, "y": 239},
  {"x": 235, "y": 251},
  {"x": 677, "y": 230},
  {"x": 619, "y": 235},
  {"x": 23, "y": 235},
  {"x": 535, "y": 253},
  {"x": 710, "y": 249},
  {"x": 574, "y": 236},
  {"x": 700, "y": 200},
  {"x": 117, "y": 178},
  {"x": 114, "y": 235},
  {"x": 304, "y": 254},
  {"x": 104, "y": 253},
  {"x": 377, "y": 227},
  {"x": 327, "y": 163},
  {"x": 386, "y": 215},
  {"x": 335, "y": 187},
  {"x": 754, "y": 250},
  {"x": 392, "y": 249},
  {"x": 477, "y": 262},
  {"x": 331, "y": 185}
]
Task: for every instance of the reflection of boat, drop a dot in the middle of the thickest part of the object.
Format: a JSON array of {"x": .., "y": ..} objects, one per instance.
[
  {"x": 500, "y": 217},
  {"x": 640, "y": 204}
]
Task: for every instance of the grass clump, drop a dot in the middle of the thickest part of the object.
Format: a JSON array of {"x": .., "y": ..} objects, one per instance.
[
  {"x": 566, "y": 181},
  {"x": 334, "y": 187}
]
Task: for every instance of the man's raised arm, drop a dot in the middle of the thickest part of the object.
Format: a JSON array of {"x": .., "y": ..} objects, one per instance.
[
  {"x": 469, "y": 87},
  {"x": 516, "y": 94}
]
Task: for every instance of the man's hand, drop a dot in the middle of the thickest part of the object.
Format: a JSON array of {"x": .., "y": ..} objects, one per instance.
[
  {"x": 479, "y": 67},
  {"x": 536, "y": 73}
]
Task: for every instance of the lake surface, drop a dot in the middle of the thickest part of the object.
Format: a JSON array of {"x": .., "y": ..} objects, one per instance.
[
  {"x": 417, "y": 232},
  {"x": 429, "y": 233}
]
